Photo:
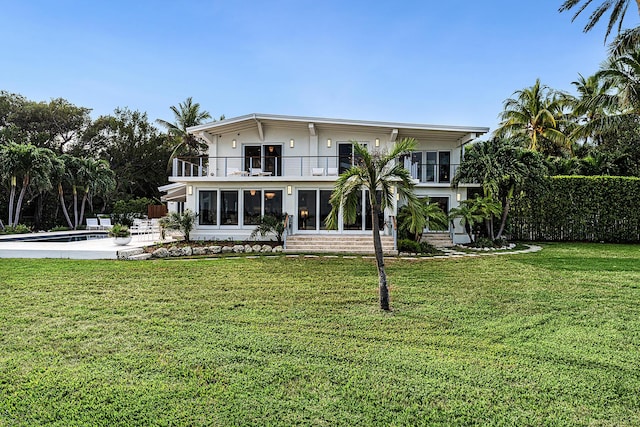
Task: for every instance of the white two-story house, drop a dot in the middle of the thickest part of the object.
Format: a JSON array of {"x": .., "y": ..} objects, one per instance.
[{"x": 261, "y": 164}]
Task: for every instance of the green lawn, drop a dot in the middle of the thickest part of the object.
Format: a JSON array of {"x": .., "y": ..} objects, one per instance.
[{"x": 550, "y": 338}]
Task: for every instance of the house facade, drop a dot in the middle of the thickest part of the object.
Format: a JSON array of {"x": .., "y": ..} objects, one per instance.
[{"x": 262, "y": 164}]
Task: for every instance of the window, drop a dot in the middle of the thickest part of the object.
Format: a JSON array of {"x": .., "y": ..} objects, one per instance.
[
  {"x": 267, "y": 158},
  {"x": 229, "y": 208},
  {"x": 346, "y": 156},
  {"x": 307, "y": 210},
  {"x": 208, "y": 208},
  {"x": 252, "y": 207},
  {"x": 444, "y": 170},
  {"x": 325, "y": 207},
  {"x": 273, "y": 203},
  {"x": 432, "y": 160}
]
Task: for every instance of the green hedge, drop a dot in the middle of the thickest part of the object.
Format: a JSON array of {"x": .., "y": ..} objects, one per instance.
[{"x": 579, "y": 208}]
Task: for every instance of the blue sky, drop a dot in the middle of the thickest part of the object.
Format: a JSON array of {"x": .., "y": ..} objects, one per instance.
[{"x": 411, "y": 61}]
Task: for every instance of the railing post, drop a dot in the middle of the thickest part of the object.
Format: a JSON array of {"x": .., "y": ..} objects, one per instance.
[{"x": 174, "y": 167}]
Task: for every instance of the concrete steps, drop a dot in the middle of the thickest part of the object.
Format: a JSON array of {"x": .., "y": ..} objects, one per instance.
[
  {"x": 438, "y": 239},
  {"x": 361, "y": 244}
]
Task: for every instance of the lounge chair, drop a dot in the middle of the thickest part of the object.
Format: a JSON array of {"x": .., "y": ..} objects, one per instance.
[
  {"x": 92, "y": 224},
  {"x": 105, "y": 223}
]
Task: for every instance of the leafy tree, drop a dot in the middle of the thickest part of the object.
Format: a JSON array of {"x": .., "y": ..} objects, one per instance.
[
  {"x": 185, "y": 115},
  {"x": 54, "y": 124},
  {"x": 135, "y": 150},
  {"x": 26, "y": 167},
  {"x": 380, "y": 173},
  {"x": 535, "y": 114},
  {"x": 270, "y": 224}
]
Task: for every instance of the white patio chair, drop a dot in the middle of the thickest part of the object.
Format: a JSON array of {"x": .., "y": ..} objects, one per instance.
[
  {"x": 92, "y": 224},
  {"x": 317, "y": 171},
  {"x": 332, "y": 171},
  {"x": 105, "y": 223}
]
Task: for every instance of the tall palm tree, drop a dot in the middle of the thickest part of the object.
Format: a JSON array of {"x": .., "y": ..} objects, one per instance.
[
  {"x": 616, "y": 8},
  {"x": 622, "y": 102},
  {"x": 185, "y": 115},
  {"x": 502, "y": 169},
  {"x": 29, "y": 164},
  {"x": 535, "y": 113},
  {"x": 95, "y": 178},
  {"x": 593, "y": 103},
  {"x": 379, "y": 173}
]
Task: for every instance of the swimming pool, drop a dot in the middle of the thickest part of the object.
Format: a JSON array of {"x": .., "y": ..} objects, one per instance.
[{"x": 56, "y": 238}]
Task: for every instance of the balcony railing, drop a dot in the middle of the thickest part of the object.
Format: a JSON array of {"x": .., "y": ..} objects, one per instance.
[{"x": 291, "y": 166}]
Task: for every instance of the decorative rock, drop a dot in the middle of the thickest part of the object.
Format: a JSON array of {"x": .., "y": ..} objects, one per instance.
[
  {"x": 277, "y": 249},
  {"x": 238, "y": 249},
  {"x": 215, "y": 249},
  {"x": 160, "y": 253},
  {"x": 265, "y": 249},
  {"x": 248, "y": 249},
  {"x": 199, "y": 251},
  {"x": 256, "y": 248},
  {"x": 187, "y": 251},
  {"x": 175, "y": 251},
  {"x": 227, "y": 249}
]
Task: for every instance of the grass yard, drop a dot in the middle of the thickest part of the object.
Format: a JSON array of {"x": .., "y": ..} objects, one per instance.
[{"x": 551, "y": 338}]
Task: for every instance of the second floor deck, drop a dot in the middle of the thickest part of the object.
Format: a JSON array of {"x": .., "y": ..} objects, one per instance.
[{"x": 294, "y": 168}]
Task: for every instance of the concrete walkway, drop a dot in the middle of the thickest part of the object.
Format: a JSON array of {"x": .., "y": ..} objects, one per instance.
[
  {"x": 107, "y": 249},
  {"x": 84, "y": 249}
]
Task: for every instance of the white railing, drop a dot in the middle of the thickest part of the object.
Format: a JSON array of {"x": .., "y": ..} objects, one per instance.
[{"x": 292, "y": 166}]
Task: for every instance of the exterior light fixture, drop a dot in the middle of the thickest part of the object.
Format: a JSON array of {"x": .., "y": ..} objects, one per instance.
[
  {"x": 252, "y": 192},
  {"x": 270, "y": 195},
  {"x": 328, "y": 142},
  {"x": 190, "y": 189},
  {"x": 291, "y": 143},
  {"x": 289, "y": 190},
  {"x": 377, "y": 142},
  {"x": 458, "y": 197},
  {"x": 234, "y": 143}
]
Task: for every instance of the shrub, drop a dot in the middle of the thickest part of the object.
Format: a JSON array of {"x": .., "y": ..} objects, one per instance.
[
  {"x": 408, "y": 245},
  {"x": 18, "y": 229},
  {"x": 579, "y": 208},
  {"x": 119, "y": 230}
]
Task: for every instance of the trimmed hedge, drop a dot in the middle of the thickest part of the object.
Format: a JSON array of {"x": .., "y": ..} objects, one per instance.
[{"x": 579, "y": 208}]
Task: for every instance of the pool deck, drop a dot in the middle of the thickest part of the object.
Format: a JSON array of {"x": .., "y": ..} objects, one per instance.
[{"x": 85, "y": 249}]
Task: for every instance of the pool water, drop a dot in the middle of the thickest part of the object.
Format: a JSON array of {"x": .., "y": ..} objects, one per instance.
[{"x": 61, "y": 238}]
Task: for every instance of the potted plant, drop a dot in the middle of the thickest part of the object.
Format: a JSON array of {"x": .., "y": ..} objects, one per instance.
[{"x": 121, "y": 234}]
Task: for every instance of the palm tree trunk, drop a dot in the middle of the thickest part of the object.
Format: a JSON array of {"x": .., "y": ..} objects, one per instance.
[
  {"x": 377, "y": 246},
  {"x": 84, "y": 201},
  {"x": 23, "y": 190},
  {"x": 12, "y": 197},
  {"x": 75, "y": 207},
  {"x": 65, "y": 211},
  {"x": 505, "y": 212}
]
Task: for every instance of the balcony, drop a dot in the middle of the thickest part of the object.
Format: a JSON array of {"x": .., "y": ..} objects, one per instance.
[{"x": 291, "y": 167}]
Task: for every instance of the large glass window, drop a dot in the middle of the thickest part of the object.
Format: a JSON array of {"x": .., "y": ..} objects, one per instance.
[
  {"x": 208, "y": 208},
  {"x": 252, "y": 157},
  {"x": 307, "y": 210},
  {"x": 229, "y": 208},
  {"x": 357, "y": 223},
  {"x": 444, "y": 174},
  {"x": 252, "y": 207},
  {"x": 273, "y": 203},
  {"x": 432, "y": 160},
  {"x": 273, "y": 159},
  {"x": 325, "y": 207}
]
